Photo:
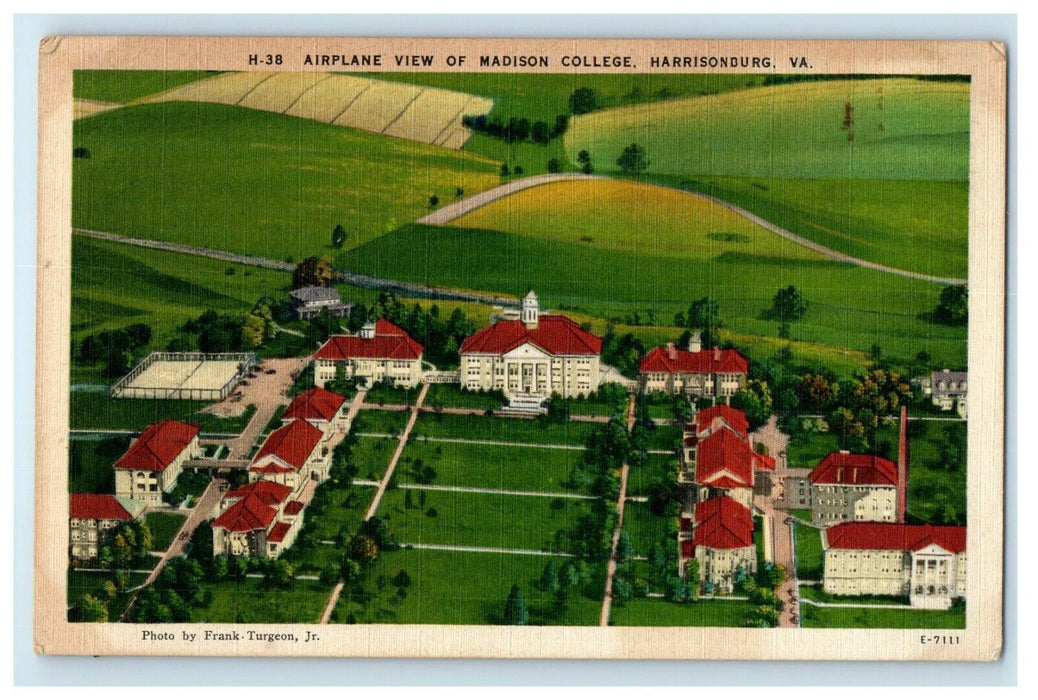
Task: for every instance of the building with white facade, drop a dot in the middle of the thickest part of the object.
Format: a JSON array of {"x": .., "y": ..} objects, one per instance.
[
  {"x": 848, "y": 487},
  {"x": 719, "y": 535},
  {"x": 925, "y": 563},
  {"x": 310, "y": 302},
  {"x": 379, "y": 351},
  {"x": 292, "y": 455},
  {"x": 154, "y": 461},
  {"x": 260, "y": 519},
  {"x": 92, "y": 518},
  {"x": 323, "y": 409},
  {"x": 713, "y": 373},
  {"x": 947, "y": 390},
  {"x": 532, "y": 357}
]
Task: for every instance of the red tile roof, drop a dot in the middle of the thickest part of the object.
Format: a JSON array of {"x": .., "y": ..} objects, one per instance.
[
  {"x": 556, "y": 335},
  {"x": 850, "y": 469},
  {"x": 688, "y": 549},
  {"x": 158, "y": 446},
  {"x": 896, "y": 536},
  {"x": 278, "y": 532},
  {"x": 315, "y": 404},
  {"x": 255, "y": 508},
  {"x": 89, "y": 506},
  {"x": 722, "y": 523},
  {"x": 291, "y": 444},
  {"x": 732, "y": 417},
  {"x": 666, "y": 359},
  {"x": 390, "y": 343},
  {"x": 293, "y": 508},
  {"x": 724, "y": 460}
]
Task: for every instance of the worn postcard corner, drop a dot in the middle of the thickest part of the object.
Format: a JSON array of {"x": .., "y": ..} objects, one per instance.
[{"x": 668, "y": 349}]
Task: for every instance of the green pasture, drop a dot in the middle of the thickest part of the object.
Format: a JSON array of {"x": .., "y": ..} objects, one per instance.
[
  {"x": 480, "y": 519},
  {"x": 542, "y": 96},
  {"x": 849, "y": 307},
  {"x": 896, "y": 128},
  {"x": 871, "y": 617},
  {"x": 462, "y": 588},
  {"x": 490, "y": 466},
  {"x": 249, "y": 181},
  {"x": 115, "y": 285},
  {"x": 656, "y": 612},
  {"x": 917, "y": 225},
  {"x": 540, "y": 431},
  {"x": 125, "y": 86}
]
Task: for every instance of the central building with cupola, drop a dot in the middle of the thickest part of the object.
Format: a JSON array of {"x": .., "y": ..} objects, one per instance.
[{"x": 531, "y": 355}]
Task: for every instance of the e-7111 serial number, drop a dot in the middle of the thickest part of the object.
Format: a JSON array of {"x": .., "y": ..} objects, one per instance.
[{"x": 940, "y": 639}]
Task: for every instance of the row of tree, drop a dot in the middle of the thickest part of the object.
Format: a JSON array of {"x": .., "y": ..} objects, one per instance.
[{"x": 517, "y": 128}]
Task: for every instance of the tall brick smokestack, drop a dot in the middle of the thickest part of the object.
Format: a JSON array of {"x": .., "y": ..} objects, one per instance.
[{"x": 902, "y": 466}]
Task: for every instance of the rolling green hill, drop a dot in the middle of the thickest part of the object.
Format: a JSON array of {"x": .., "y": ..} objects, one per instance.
[
  {"x": 850, "y": 307},
  {"x": 249, "y": 181},
  {"x": 897, "y": 128}
]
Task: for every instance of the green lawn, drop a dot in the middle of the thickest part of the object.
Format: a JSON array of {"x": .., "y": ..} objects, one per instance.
[
  {"x": 371, "y": 456},
  {"x": 90, "y": 463},
  {"x": 463, "y": 588},
  {"x": 809, "y": 554},
  {"x": 816, "y": 593},
  {"x": 665, "y": 437},
  {"x": 655, "y": 469},
  {"x": 899, "y": 129},
  {"x": 390, "y": 394},
  {"x": 250, "y": 181},
  {"x": 164, "y": 527},
  {"x": 452, "y": 396},
  {"x": 654, "y": 612},
  {"x": 124, "y": 86},
  {"x": 802, "y": 513},
  {"x": 374, "y": 420},
  {"x": 849, "y": 307},
  {"x": 646, "y": 529},
  {"x": 539, "y": 431},
  {"x": 879, "y": 618},
  {"x": 275, "y": 420},
  {"x": 344, "y": 512},
  {"x": 808, "y": 449},
  {"x": 250, "y": 601},
  {"x": 491, "y": 466},
  {"x": 480, "y": 520},
  {"x": 98, "y": 411}
]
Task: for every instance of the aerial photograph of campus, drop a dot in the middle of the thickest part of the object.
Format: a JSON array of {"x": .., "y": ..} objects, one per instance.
[{"x": 682, "y": 350}]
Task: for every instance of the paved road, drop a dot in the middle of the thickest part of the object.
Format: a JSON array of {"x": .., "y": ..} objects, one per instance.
[
  {"x": 607, "y": 599},
  {"x": 396, "y": 453},
  {"x": 330, "y": 605},
  {"x": 481, "y": 199},
  {"x": 775, "y": 520}
]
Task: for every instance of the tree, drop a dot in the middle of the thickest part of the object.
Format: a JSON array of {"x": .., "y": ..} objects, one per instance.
[
  {"x": 280, "y": 574},
  {"x": 623, "y": 547},
  {"x": 505, "y": 172},
  {"x": 433, "y": 201},
  {"x": 705, "y": 314},
  {"x": 539, "y": 132},
  {"x": 755, "y": 401},
  {"x": 582, "y": 101},
  {"x": 80, "y": 152},
  {"x": 554, "y": 166},
  {"x": 338, "y": 236},
  {"x": 584, "y": 159},
  {"x": 549, "y": 578},
  {"x": 517, "y": 170},
  {"x": 515, "y": 607},
  {"x": 632, "y": 161},
  {"x": 89, "y": 609},
  {"x": 313, "y": 272},
  {"x": 789, "y": 304},
  {"x": 953, "y": 307}
]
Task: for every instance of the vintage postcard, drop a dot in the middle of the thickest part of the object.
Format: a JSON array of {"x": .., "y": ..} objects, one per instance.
[{"x": 656, "y": 349}]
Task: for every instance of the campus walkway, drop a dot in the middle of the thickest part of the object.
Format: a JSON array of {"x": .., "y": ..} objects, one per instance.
[{"x": 607, "y": 600}]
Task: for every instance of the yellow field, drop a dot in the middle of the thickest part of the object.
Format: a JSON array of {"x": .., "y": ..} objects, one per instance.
[
  {"x": 429, "y": 115},
  {"x": 627, "y": 216}
]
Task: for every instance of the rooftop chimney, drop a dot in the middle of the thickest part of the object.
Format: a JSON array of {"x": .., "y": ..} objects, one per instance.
[
  {"x": 717, "y": 354},
  {"x": 695, "y": 342},
  {"x": 672, "y": 352},
  {"x": 902, "y": 466}
]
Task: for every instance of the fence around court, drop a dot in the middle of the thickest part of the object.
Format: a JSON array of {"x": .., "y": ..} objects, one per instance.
[{"x": 124, "y": 389}]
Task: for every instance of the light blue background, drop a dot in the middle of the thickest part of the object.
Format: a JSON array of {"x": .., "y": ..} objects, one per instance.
[{"x": 30, "y": 669}]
